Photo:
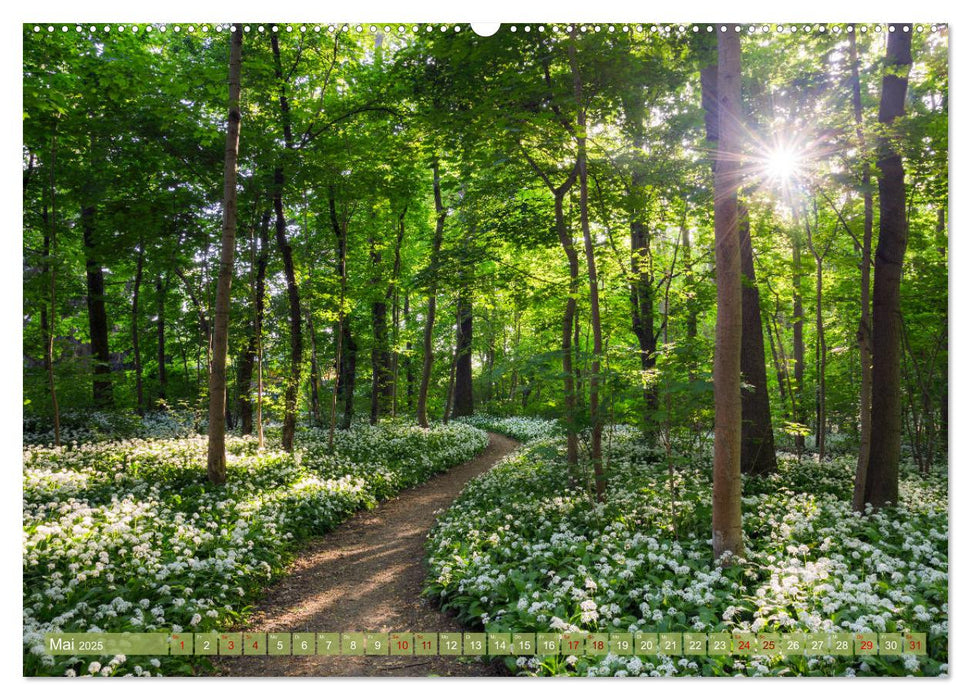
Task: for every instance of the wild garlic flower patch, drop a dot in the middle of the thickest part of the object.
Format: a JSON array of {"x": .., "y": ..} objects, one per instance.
[
  {"x": 520, "y": 428},
  {"x": 129, "y": 536},
  {"x": 79, "y": 427},
  {"x": 525, "y": 548}
]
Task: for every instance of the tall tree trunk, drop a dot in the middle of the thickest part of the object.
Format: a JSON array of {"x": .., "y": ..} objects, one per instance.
[
  {"x": 348, "y": 374},
  {"x": 596, "y": 452},
  {"x": 248, "y": 358},
  {"x": 380, "y": 356},
  {"x": 314, "y": 372},
  {"x": 48, "y": 323},
  {"x": 160, "y": 289},
  {"x": 881, "y": 487},
  {"x": 691, "y": 321},
  {"x": 863, "y": 334},
  {"x": 642, "y": 309},
  {"x": 818, "y": 255},
  {"x": 798, "y": 344},
  {"x": 726, "y": 514},
  {"x": 292, "y": 381},
  {"x": 409, "y": 365},
  {"x": 216, "y": 467},
  {"x": 340, "y": 235},
  {"x": 570, "y": 389},
  {"x": 393, "y": 296},
  {"x": 136, "y": 350},
  {"x": 758, "y": 443},
  {"x": 97, "y": 315},
  {"x": 450, "y": 387},
  {"x": 428, "y": 359},
  {"x": 463, "y": 401},
  {"x": 50, "y": 266}
]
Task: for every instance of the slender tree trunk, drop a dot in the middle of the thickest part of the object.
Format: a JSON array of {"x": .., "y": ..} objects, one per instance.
[
  {"x": 216, "y": 468},
  {"x": 463, "y": 401},
  {"x": 881, "y": 487},
  {"x": 596, "y": 452},
  {"x": 348, "y": 374},
  {"x": 160, "y": 288},
  {"x": 248, "y": 357},
  {"x": 569, "y": 314},
  {"x": 340, "y": 235},
  {"x": 818, "y": 255},
  {"x": 642, "y": 311},
  {"x": 798, "y": 345},
  {"x": 428, "y": 359},
  {"x": 314, "y": 372},
  {"x": 863, "y": 335},
  {"x": 758, "y": 443},
  {"x": 97, "y": 315},
  {"x": 691, "y": 322},
  {"x": 292, "y": 381},
  {"x": 514, "y": 379},
  {"x": 50, "y": 266},
  {"x": 259, "y": 389},
  {"x": 409, "y": 365},
  {"x": 727, "y": 482},
  {"x": 136, "y": 350},
  {"x": 380, "y": 356},
  {"x": 392, "y": 296},
  {"x": 780, "y": 374},
  {"x": 450, "y": 388}
]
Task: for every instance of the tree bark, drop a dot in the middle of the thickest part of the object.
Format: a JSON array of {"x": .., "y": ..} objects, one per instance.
[
  {"x": 136, "y": 350},
  {"x": 380, "y": 356},
  {"x": 596, "y": 451},
  {"x": 216, "y": 467},
  {"x": 463, "y": 400},
  {"x": 348, "y": 374},
  {"x": 50, "y": 267},
  {"x": 97, "y": 314},
  {"x": 248, "y": 358},
  {"x": 881, "y": 488},
  {"x": 798, "y": 345},
  {"x": 428, "y": 359},
  {"x": 758, "y": 443},
  {"x": 314, "y": 372},
  {"x": 642, "y": 310},
  {"x": 409, "y": 365},
  {"x": 292, "y": 381},
  {"x": 727, "y": 482},
  {"x": 340, "y": 235},
  {"x": 160, "y": 289},
  {"x": 818, "y": 255},
  {"x": 569, "y": 313},
  {"x": 863, "y": 335}
]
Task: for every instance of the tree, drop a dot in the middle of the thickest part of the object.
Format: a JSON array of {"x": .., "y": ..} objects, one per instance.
[
  {"x": 596, "y": 453},
  {"x": 292, "y": 383},
  {"x": 882, "y": 474},
  {"x": 757, "y": 440},
  {"x": 863, "y": 336},
  {"x": 216, "y": 466},
  {"x": 428, "y": 354},
  {"x": 726, "y": 512},
  {"x": 758, "y": 443}
]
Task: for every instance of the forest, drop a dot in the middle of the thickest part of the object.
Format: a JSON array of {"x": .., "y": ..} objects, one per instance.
[{"x": 690, "y": 280}]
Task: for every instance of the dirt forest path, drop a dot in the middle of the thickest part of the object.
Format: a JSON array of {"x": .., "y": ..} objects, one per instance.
[{"x": 367, "y": 575}]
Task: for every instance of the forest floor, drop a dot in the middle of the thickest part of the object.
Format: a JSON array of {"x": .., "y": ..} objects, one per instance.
[{"x": 368, "y": 575}]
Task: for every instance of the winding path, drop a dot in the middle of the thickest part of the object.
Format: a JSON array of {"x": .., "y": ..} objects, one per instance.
[{"x": 367, "y": 575}]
